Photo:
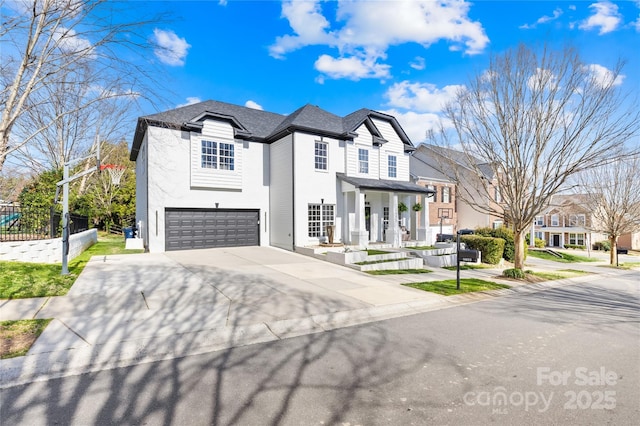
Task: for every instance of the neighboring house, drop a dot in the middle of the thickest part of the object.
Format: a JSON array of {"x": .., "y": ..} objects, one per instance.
[
  {"x": 213, "y": 174},
  {"x": 629, "y": 241},
  {"x": 566, "y": 222},
  {"x": 428, "y": 168}
]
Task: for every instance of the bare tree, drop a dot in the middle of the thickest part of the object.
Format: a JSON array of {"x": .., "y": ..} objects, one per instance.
[
  {"x": 65, "y": 47},
  {"x": 612, "y": 195},
  {"x": 527, "y": 124}
]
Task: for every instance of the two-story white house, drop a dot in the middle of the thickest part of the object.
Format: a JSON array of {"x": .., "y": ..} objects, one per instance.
[{"x": 213, "y": 174}]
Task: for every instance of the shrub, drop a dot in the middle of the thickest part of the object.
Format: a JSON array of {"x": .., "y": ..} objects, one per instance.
[
  {"x": 574, "y": 246},
  {"x": 491, "y": 248},
  {"x": 514, "y": 273},
  {"x": 506, "y": 234},
  {"x": 602, "y": 245},
  {"x": 537, "y": 242}
]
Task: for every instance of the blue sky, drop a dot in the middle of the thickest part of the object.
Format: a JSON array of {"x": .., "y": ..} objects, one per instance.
[{"x": 405, "y": 58}]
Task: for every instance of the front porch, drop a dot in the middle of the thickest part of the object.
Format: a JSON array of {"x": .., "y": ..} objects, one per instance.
[{"x": 383, "y": 212}]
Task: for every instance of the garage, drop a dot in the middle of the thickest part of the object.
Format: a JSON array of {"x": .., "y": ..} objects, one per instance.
[{"x": 187, "y": 229}]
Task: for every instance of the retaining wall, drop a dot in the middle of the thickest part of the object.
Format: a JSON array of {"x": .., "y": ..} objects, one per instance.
[{"x": 47, "y": 251}]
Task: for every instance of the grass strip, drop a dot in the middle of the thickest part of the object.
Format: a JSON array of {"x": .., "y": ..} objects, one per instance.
[
  {"x": 399, "y": 271},
  {"x": 448, "y": 287},
  {"x": 16, "y": 337}
]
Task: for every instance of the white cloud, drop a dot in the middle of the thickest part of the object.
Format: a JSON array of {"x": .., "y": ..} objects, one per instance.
[
  {"x": 365, "y": 29},
  {"x": 541, "y": 80},
  {"x": 418, "y": 63},
  {"x": 543, "y": 19},
  {"x": 416, "y": 125},
  {"x": 190, "y": 101},
  {"x": 603, "y": 76},
  {"x": 253, "y": 105},
  {"x": 352, "y": 67},
  {"x": 70, "y": 42},
  {"x": 422, "y": 97},
  {"x": 172, "y": 50},
  {"x": 606, "y": 17}
]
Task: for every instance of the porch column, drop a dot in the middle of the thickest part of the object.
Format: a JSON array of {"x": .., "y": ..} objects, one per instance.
[
  {"x": 345, "y": 219},
  {"x": 393, "y": 232},
  {"x": 359, "y": 236},
  {"x": 423, "y": 230}
]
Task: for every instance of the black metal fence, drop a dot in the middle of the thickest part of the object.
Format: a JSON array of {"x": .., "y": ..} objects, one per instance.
[{"x": 21, "y": 224}]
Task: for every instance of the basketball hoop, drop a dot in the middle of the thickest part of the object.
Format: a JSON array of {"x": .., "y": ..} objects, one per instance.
[{"x": 115, "y": 172}]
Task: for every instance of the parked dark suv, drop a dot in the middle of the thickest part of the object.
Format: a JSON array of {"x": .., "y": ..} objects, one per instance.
[{"x": 445, "y": 238}]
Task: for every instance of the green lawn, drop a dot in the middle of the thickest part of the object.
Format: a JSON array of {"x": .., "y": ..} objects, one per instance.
[
  {"x": 566, "y": 258},
  {"x": 420, "y": 248},
  {"x": 373, "y": 252},
  {"x": 448, "y": 287},
  {"x": 466, "y": 267},
  {"x": 373, "y": 262},
  {"x": 21, "y": 280},
  {"x": 399, "y": 271}
]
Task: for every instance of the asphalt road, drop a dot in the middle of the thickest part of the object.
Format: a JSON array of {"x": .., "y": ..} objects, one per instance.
[{"x": 569, "y": 355}]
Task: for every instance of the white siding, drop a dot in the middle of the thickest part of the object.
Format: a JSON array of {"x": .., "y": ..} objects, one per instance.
[
  {"x": 220, "y": 132},
  {"x": 169, "y": 182},
  {"x": 363, "y": 141},
  {"x": 393, "y": 146},
  {"x": 281, "y": 198},
  {"x": 142, "y": 192},
  {"x": 314, "y": 186}
]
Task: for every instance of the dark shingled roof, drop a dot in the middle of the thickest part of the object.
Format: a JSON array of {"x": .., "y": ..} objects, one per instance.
[
  {"x": 385, "y": 185},
  {"x": 263, "y": 126}
]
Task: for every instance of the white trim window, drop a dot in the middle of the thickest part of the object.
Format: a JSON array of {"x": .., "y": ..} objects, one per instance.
[
  {"x": 576, "y": 239},
  {"x": 446, "y": 194},
  {"x": 321, "y": 155},
  {"x": 217, "y": 155},
  {"x": 577, "y": 220},
  {"x": 363, "y": 160},
  {"x": 539, "y": 221},
  {"x": 555, "y": 220},
  {"x": 319, "y": 217},
  {"x": 497, "y": 224},
  {"x": 393, "y": 166}
]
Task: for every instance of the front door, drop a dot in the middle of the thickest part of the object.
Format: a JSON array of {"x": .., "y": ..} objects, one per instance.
[
  {"x": 367, "y": 220},
  {"x": 556, "y": 240}
]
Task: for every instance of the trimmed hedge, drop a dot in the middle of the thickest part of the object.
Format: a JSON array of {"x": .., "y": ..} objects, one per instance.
[
  {"x": 574, "y": 246},
  {"x": 602, "y": 245},
  {"x": 506, "y": 234},
  {"x": 514, "y": 273},
  {"x": 491, "y": 248},
  {"x": 538, "y": 242}
]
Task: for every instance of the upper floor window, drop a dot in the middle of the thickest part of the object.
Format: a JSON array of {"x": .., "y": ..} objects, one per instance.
[
  {"x": 498, "y": 196},
  {"x": 446, "y": 194},
  {"x": 577, "y": 220},
  {"x": 393, "y": 166},
  {"x": 321, "y": 156},
  {"x": 555, "y": 220},
  {"x": 539, "y": 220},
  {"x": 217, "y": 155},
  {"x": 363, "y": 161}
]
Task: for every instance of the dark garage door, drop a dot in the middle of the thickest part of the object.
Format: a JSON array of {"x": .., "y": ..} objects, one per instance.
[{"x": 187, "y": 229}]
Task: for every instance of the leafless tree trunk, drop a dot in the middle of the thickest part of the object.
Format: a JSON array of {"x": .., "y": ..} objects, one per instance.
[
  {"x": 527, "y": 124},
  {"x": 612, "y": 195},
  {"x": 54, "y": 50}
]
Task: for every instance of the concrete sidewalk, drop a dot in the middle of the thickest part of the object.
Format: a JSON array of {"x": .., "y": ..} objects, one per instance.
[{"x": 128, "y": 309}]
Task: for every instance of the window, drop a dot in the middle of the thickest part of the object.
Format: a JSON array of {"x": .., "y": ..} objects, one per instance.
[
  {"x": 320, "y": 215},
  {"x": 385, "y": 218},
  {"x": 209, "y": 155},
  {"x": 363, "y": 161},
  {"x": 435, "y": 192},
  {"x": 498, "y": 196},
  {"x": 497, "y": 224},
  {"x": 576, "y": 239},
  {"x": 576, "y": 220},
  {"x": 555, "y": 221},
  {"x": 321, "y": 156},
  {"x": 216, "y": 155},
  {"x": 445, "y": 194},
  {"x": 393, "y": 166},
  {"x": 539, "y": 220}
]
